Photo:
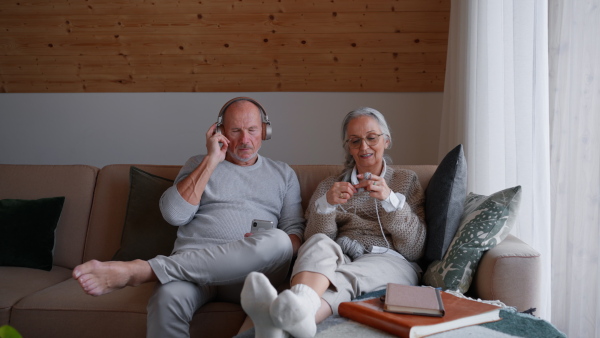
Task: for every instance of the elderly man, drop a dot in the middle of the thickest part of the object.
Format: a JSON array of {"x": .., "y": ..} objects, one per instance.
[{"x": 213, "y": 201}]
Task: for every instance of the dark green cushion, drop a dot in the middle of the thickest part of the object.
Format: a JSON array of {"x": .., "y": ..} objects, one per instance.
[
  {"x": 444, "y": 200},
  {"x": 27, "y": 231},
  {"x": 145, "y": 233}
]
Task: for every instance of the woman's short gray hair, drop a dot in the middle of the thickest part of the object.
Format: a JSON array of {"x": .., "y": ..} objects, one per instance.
[{"x": 349, "y": 162}]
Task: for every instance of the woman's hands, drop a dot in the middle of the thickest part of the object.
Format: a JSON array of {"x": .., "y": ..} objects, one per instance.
[
  {"x": 341, "y": 192},
  {"x": 375, "y": 185}
]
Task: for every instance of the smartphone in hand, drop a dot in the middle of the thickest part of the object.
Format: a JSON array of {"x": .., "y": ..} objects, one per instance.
[{"x": 261, "y": 225}]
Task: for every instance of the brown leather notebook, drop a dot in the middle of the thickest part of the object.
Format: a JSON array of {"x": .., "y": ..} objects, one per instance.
[
  {"x": 413, "y": 300},
  {"x": 460, "y": 312}
]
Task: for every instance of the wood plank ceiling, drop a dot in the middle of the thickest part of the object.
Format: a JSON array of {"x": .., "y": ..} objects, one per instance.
[{"x": 222, "y": 46}]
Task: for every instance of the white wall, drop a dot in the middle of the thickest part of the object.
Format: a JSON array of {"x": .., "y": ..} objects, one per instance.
[{"x": 166, "y": 128}]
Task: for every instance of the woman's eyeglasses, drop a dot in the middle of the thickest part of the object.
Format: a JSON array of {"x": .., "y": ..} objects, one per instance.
[{"x": 371, "y": 140}]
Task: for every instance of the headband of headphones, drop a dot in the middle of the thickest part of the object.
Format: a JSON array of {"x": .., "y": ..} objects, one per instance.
[{"x": 266, "y": 130}]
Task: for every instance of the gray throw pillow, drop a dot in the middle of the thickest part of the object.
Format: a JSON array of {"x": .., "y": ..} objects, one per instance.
[
  {"x": 146, "y": 234},
  {"x": 444, "y": 202},
  {"x": 486, "y": 221}
]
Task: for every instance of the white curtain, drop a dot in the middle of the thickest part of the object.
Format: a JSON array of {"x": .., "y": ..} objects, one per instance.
[
  {"x": 574, "y": 42},
  {"x": 496, "y": 104}
]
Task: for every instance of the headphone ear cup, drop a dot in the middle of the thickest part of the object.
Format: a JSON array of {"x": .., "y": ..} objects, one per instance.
[{"x": 266, "y": 131}]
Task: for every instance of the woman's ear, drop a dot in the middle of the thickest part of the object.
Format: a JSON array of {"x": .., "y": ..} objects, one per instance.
[{"x": 387, "y": 143}]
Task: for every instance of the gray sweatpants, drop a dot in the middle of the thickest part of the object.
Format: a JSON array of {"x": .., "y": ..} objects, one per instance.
[
  {"x": 350, "y": 279},
  {"x": 192, "y": 278}
]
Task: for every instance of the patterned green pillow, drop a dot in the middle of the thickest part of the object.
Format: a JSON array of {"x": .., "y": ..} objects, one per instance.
[{"x": 485, "y": 222}]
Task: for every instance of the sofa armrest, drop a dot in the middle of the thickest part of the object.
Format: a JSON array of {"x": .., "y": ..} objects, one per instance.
[{"x": 510, "y": 272}]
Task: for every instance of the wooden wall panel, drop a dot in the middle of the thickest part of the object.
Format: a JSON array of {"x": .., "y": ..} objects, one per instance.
[{"x": 218, "y": 45}]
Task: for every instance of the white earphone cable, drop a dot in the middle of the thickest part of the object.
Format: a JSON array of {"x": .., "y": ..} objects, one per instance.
[{"x": 381, "y": 226}]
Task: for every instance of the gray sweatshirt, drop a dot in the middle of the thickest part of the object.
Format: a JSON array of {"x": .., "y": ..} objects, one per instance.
[{"x": 234, "y": 196}]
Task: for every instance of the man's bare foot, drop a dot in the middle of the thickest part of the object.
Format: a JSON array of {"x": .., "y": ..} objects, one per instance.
[{"x": 99, "y": 278}]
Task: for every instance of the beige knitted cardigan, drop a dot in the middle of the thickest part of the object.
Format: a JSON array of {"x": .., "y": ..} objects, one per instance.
[{"x": 357, "y": 219}]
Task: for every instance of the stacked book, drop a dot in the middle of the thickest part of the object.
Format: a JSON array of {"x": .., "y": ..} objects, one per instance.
[{"x": 414, "y": 311}]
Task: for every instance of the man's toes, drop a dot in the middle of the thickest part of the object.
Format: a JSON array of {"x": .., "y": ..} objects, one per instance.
[
  {"x": 85, "y": 268},
  {"x": 86, "y": 281}
]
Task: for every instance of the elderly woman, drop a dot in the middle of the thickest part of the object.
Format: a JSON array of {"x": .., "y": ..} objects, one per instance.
[{"x": 365, "y": 229}]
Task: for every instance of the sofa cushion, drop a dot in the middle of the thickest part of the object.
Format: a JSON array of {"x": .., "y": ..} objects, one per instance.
[
  {"x": 485, "y": 222},
  {"x": 110, "y": 207},
  {"x": 146, "y": 234},
  {"x": 121, "y": 313},
  {"x": 75, "y": 182},
  {"x": 64, "y": 310},
  {"x": 309, "y": 176},
  {"x": 16, "y": 283},
  {"x": 444, "y": 202},
  {"x": 27, "y": 231}
]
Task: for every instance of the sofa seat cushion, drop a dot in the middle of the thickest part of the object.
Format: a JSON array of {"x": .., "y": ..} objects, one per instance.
[
  {"x": 121, "y": 313},
  {"x": 17, "y": 283},
  {"x": 217, "y": 319}
]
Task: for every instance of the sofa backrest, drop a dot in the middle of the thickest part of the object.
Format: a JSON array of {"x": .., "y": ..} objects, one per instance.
[
  {"x": 74, "y": 182},
  {"x": 310, "y": 176},
  {"x": 112, "y": 192},
  {"x": 110, "y": 206}
]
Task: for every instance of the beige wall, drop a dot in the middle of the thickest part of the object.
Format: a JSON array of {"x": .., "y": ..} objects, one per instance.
[{"x": 167, "y": 128}]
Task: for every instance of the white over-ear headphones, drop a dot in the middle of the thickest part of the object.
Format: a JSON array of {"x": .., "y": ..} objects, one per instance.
[{"x": 266, "y": 130}]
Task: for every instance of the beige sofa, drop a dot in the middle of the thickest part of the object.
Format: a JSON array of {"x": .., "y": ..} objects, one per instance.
[{"x": 50, "y": 304}]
